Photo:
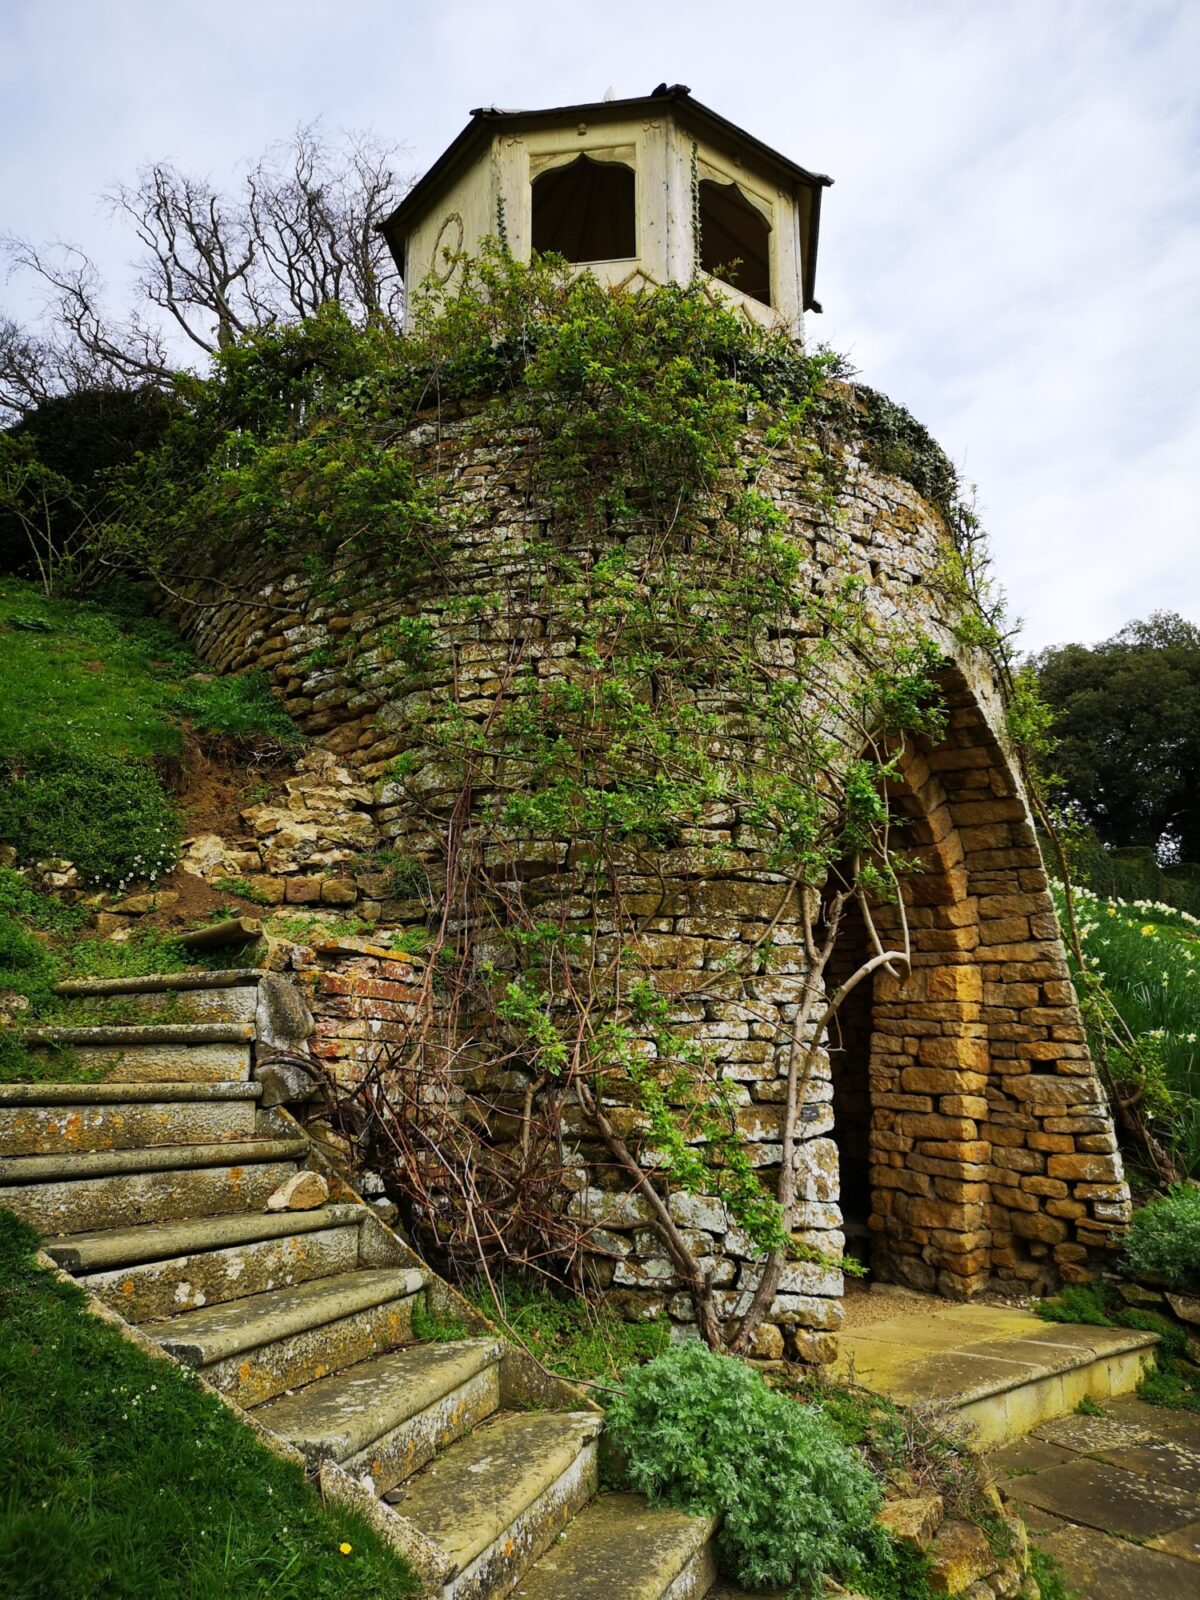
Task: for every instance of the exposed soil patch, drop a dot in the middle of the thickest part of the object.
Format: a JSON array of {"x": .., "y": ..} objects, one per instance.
[{"x": 215, "y": 779}]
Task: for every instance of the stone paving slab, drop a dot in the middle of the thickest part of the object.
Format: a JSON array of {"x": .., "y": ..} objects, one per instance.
[
  {"x": 1183, "y": 1542},
  {"x": 1089, "y": 1435},
  {"x": 1102, "y": 1568},
  {"x": 968, "y": 1355},
  {"x": 1107, "y": 1498},
  {"x": 1133, "y": 1471},
  {"x": 1026, "y": 1455},
  {"x": 1170, "y": 1462}
]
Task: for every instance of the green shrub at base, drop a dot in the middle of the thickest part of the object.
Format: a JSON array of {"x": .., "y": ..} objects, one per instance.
[
  {"x": 1164, "y": 1238},
  {"x": 704, "y": 1433},
  {"x": 108, "y": 815}
]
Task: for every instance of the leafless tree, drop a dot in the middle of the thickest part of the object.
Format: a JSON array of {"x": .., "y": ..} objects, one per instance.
[{"x": 297, "y": 232}]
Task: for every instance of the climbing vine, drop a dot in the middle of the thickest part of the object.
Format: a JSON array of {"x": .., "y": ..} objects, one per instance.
[{"x": 674, "y": 693}]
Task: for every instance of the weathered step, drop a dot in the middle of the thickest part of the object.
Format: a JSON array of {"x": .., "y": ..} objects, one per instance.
[
  {"x": 253, "y": 1349},
  {"x": 121, "y": 1247},
  {"x": 1002, "y": 1370},
  {"x": 163, "y": 1007},
  {"x": 142, "y": 1033},
  {"x": 126, "y": 1199},
  {"x": 114, "y": 1094},
  {"x": 622, "y": 1548},
  {"x": 158, "y": 1289},
  {"x": 161, "y": 982},
  {"x": 50, "y": 1130},
  {"x": 74, "y": 1166},
  {"x": 496, "y": 1500},
  {"x": 386, "y": 1418},
  {"x": 130, "y": 1061}
]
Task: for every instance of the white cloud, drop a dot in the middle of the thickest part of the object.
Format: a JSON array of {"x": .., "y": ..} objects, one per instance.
[{"x": 1012, "y": 247}]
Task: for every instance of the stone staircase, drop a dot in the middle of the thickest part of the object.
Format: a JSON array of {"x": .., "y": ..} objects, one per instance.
[{"x": 150, "y": 1185}]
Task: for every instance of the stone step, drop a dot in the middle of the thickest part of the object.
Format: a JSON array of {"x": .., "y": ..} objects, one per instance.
[
  {"x": 166, "y": 1007},
  {"x": 120, "y": 1094},
  {"x": 75, "y": 1166},
  {"x": 127, "y": 1199},
  {"x": 255, "y": 1348},
  {"x": 50, "y": 1130},
  {"x": 386, "y": 1418},
  {"x": 121, "y": 1247},
  {"x": 1003, "y": 1370},
  {"x": 620, "y": 1546},
  {"x": 133, "y": 1061},
  {"x": 127, "y": 1035},
  {"x": 495, "y": 1501},
  {"x": 158, "y": 1289},
  {"x": 161, "y": 982}
]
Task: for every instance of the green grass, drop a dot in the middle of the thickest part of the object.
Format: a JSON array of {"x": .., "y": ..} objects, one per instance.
[
  {"x": 568, "y": 1334},
  {"x": 123, "y": 1478},
  {"x": 87, "y": 674},
  {"x": 1051, "y": 1579},
  {"x": 1171, "y": 1382},
  {"x": 123, "y": 682},
  {"x": 96, "y": 698}
]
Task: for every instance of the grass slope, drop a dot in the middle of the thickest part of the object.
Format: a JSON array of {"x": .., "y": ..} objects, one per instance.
[{"x": 122, "y": 1477}]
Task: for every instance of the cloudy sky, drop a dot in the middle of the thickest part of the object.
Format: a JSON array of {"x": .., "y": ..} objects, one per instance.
[{"x": 1011, "y": 248}]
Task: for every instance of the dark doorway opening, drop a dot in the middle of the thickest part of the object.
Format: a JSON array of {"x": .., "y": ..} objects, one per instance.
[
  {"x": 586, "y": 211},
  {"x": 849, "y": 1062},
  {"x": 735, "y": 240}
]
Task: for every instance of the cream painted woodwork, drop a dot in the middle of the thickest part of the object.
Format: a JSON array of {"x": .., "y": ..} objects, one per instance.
[{"x": 484, "y": 185}]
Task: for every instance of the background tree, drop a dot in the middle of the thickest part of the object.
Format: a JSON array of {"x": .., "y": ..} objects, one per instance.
[{"x": 1127, "y": 713}]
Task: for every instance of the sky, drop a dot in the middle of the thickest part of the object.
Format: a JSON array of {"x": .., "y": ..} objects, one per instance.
[{"x": 1011, "y": 247}]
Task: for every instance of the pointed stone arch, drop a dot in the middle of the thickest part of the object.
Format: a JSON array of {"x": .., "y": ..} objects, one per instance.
[{"x": 991, "y": 1155}]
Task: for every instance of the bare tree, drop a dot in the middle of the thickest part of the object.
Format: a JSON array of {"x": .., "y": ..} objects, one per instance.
[{"x": 297, "y": 232}]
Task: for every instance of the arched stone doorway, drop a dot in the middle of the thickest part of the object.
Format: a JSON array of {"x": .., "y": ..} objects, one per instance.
[{"x": 975, "y": 1144}]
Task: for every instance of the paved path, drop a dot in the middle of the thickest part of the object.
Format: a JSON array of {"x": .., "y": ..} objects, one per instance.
[{"x": 1115, "y": 1498}]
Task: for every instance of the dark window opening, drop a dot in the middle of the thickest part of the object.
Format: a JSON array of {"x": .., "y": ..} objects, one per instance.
[
  {"x": 734, "y": 240},
  {"x": 849, "y": 1062},
  {"x": 585, "y": 211}
]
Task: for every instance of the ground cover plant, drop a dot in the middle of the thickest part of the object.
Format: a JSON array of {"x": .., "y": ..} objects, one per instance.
[
  {"x": 569, "y": 1334},
  {"x": 1164, "y": 1239},
  {"x": 1173, "y": 1380},
  {"x": 123, "y": 1478},
  {"x": 704, "y": 1433},
  {"x": 1139, "y": 987}
]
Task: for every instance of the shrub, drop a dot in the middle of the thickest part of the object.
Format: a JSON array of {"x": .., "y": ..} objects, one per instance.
[
  {"x": 111, "y": 817},
  {"x": 704, "y": 1433},
  {"x": 1164, "y": 1238},
  {"x": 240, "y": 707}
]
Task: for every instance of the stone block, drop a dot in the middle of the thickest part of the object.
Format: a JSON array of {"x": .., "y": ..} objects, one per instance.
[
  {"x": 929, "y": 1125},
  {"x": 1036, "y": 1225},
  {"x": 338, "y": 892},
  {"x": 1091, "y": 1169},
  {"x": 942, "y": 1080},
  {"x": 302, "y": 891},
  {"x": 913, "y": 1521},
  {"x": 959, "y": 1054},
  {"x": 959, "y": 1556},
  {"x": 963, "y": 983}
]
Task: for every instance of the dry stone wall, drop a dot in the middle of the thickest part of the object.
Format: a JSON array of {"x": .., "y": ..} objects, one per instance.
[{"x": 990, "y": 1154}]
